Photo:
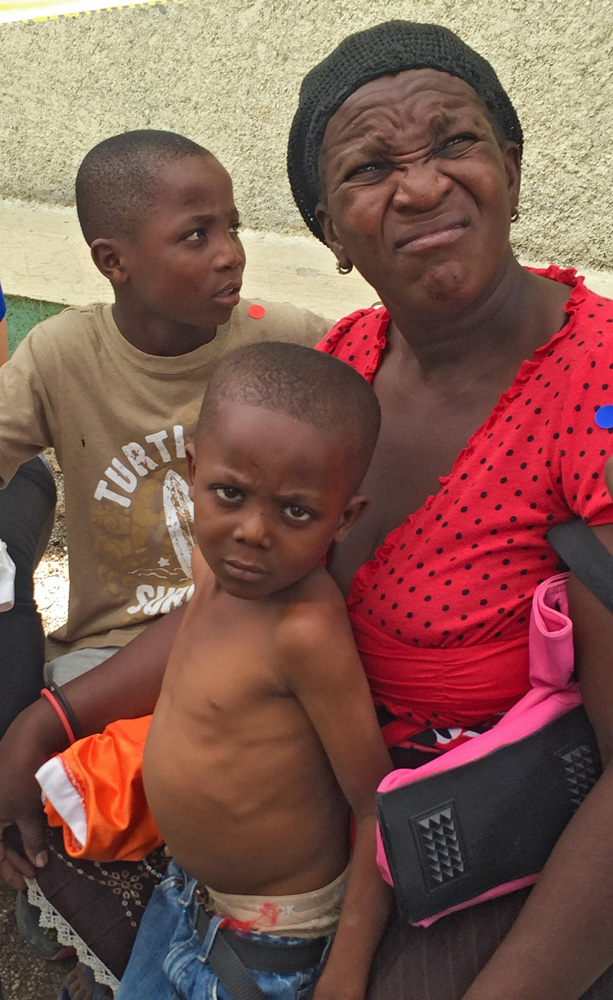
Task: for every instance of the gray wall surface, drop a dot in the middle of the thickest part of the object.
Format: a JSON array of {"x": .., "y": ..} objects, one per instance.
[{"x": 227, "y": 74}]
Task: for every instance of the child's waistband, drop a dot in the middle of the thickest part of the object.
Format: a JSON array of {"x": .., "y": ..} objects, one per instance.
[{"x": 306, "y": 915}]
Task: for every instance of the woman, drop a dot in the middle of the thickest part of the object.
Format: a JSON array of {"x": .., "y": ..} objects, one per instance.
[{"x": 405, "y": 157}]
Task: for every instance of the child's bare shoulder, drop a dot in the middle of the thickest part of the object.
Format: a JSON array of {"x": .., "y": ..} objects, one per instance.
[{"x": 316, "y": 617}]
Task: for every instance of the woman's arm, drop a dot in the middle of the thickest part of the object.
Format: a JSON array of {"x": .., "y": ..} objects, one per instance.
[
  {"x": 563, "y": 939},
  {"x": 124, "y": 686},
  {"x": 127, "y": 685}
]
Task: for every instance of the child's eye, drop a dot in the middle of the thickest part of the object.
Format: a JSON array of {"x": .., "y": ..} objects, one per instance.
[
  {"x": 296, "y": 513},
  {"x": 196, "y": 234},
  {"x": 230, "y": 494}
]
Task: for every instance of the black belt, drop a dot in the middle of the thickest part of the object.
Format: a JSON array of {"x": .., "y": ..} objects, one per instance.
[{"x": 232, "y": 954}]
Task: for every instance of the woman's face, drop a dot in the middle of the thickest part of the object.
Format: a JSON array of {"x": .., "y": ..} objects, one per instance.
[{"x": 418, "y": 192}]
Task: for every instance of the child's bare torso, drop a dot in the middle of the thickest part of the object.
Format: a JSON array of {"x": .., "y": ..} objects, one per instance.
[{"x": 235, "y": 774}]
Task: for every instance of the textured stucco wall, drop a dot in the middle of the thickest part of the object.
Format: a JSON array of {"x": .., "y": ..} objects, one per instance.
[{"x": 227, "y": 74}]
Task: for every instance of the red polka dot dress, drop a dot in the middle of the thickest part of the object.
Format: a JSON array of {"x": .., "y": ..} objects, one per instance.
[{"x": 441, "y": 613}]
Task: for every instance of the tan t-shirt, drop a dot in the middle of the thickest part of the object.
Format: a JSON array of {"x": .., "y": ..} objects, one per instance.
[{"x": 118, "y": 420}]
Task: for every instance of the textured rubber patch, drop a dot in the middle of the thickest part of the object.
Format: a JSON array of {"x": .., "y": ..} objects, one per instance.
[
  {"x": 438, "y": 837},
  {"x": 581, "y": 770}
]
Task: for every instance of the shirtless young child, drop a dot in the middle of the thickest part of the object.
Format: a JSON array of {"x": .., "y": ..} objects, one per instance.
[{"x": 265, "y": 736}]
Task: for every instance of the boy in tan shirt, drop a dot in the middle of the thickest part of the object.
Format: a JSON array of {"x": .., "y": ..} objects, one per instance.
[
  {"x": 116, "y": 389},
  {"x": 265, "y": 733}
]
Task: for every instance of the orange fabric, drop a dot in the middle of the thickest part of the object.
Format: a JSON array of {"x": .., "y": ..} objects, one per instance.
[{"x": 106, "y": 771}]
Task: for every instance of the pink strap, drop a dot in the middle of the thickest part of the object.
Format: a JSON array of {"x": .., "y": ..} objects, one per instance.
[{"x": 45, "y": 693}]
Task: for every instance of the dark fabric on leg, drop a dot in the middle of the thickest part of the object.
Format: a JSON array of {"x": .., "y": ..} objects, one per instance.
[
  {"x": 102, "y": 902},
  {"x": 602, "y": 988},
  {"x": 27, "y": 507},
  {"x": 440, "y": 962}
]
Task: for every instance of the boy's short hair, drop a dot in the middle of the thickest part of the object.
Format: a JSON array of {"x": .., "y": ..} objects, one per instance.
[
  {"x": 307, "y": 385},
  {"x": 116, "y": 181}
]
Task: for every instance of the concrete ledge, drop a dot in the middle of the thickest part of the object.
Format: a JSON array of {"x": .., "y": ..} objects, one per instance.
[{"x": 43, "y": 256}]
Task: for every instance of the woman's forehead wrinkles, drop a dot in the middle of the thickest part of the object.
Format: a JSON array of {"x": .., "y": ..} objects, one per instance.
[
  {"x": 444, "y": 122},
  {"x": 383, "y": 129},
  {"x": 403, "y": 105},
  {"x": 412, "y": 85}
]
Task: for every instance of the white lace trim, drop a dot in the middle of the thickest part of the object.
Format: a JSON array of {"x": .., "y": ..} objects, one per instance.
[{"x": 50, "y": 917}]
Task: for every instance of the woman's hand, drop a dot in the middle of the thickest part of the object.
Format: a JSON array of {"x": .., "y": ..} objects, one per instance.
[{"x": 24, "y": 748}]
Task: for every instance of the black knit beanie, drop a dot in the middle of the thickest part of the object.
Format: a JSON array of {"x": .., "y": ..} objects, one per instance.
[{"x": 390, "y": 47}]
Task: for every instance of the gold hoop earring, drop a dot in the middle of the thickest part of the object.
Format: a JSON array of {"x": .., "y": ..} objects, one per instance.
[
  {"x": 344, "y": 269},
  {"x": 515, "y": 215}
]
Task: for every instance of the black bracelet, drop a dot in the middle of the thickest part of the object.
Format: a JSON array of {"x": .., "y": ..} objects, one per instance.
[{"x": 57, "y": 693}]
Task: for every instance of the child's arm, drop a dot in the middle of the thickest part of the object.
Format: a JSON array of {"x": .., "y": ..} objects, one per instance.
[
  {"x": 365, "y": 911},
  {"x": 327, "y": 677}
]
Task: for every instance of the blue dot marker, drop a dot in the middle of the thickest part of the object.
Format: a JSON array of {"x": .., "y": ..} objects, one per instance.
[{"x": 604, "y": 417}]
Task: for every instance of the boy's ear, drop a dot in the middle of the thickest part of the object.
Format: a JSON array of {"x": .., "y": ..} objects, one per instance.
[
  {"x": 107, "y": 257},
  {"x": 352, "y": 513},
  {"x": 327, "y": 226},
  {"x": 190, "y": 453}
]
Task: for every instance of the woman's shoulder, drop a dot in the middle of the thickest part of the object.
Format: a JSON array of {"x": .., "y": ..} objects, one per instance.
[
  {"x": 583, "y": 303},
  {"x": 358, "y": 339},
  {"x": 585, "y": 341}
]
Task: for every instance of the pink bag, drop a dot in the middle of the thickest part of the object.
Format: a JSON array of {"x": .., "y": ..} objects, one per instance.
[{"x": 467, "y": 826}]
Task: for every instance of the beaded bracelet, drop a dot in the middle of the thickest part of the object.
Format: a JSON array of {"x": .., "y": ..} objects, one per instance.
[{"x": 58, "y": 700}]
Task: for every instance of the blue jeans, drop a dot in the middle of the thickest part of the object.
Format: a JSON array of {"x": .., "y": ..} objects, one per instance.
[{"x": 169, "y": 962}]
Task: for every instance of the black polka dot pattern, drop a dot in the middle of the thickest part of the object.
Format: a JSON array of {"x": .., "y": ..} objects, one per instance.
[{"x": 469, "y": 560}]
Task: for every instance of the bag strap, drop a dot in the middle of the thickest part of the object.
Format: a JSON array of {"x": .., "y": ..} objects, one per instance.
[
  {"x": 227, "y": 966},
  {"x": 585, "y": 556}
]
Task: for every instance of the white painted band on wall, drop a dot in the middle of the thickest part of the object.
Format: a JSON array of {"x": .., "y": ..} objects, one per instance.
[{"x": 44, "y": 10}]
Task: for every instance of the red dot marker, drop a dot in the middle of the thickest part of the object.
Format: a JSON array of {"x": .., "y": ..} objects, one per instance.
[{"x": 256, "y": 312}]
